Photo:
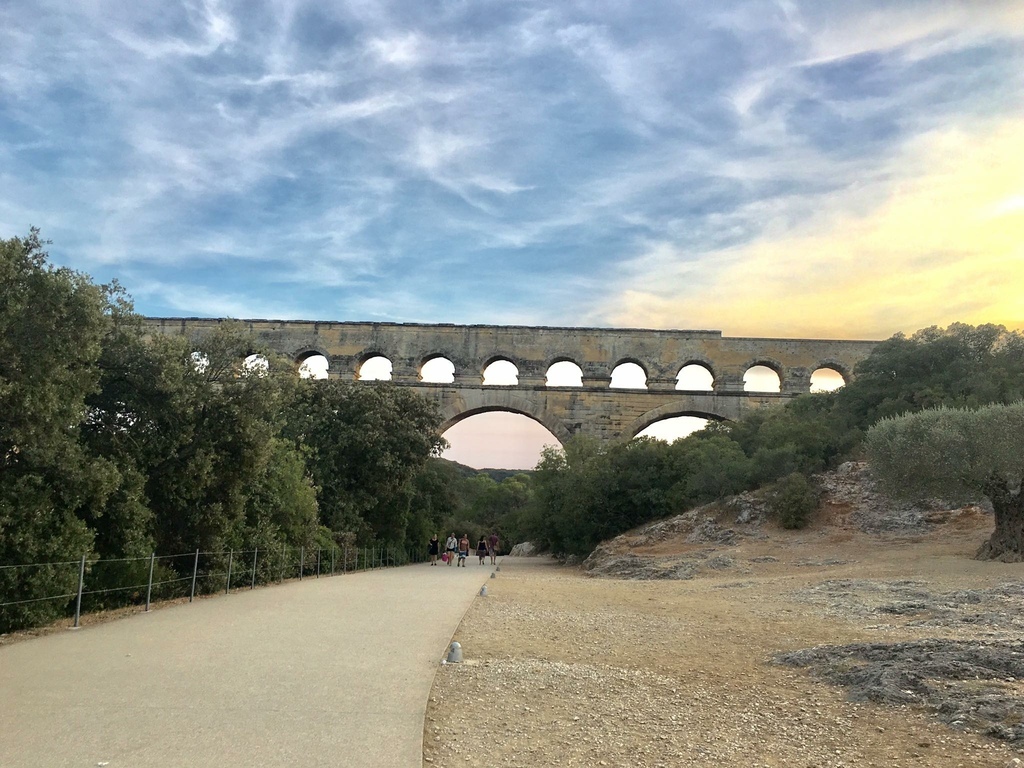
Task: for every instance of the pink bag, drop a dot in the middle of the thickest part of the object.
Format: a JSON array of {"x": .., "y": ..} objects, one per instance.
[{"x": 444, "y": 557}]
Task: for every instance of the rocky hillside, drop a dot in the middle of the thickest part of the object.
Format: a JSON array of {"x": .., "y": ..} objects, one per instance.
[{"x": 709, "y": 538}]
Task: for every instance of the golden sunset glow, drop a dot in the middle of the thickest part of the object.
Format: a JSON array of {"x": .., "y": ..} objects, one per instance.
[{"x": 944, "y": 243}]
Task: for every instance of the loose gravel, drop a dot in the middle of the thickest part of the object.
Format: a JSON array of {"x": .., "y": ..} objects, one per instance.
[{"x": 565, "y": 670}]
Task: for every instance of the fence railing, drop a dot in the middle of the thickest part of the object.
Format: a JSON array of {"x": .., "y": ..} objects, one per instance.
[{"x": 104, "y": 583}]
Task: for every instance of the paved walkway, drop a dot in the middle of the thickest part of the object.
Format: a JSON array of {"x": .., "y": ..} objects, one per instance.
[{"x": 331, "y": 671}]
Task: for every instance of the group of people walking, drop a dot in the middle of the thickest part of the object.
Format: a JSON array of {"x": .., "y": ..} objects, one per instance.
[{"x": 457, "y": 550}]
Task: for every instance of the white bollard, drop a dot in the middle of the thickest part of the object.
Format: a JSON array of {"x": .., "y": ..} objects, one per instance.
[
  {"x": 493, "y": 576},
  {"x": 483, "y": 591},
  {"x": 454, "y": 654}
]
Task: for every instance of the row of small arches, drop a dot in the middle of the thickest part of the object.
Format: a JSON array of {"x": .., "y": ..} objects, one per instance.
[{"x": 692, "y": 377}]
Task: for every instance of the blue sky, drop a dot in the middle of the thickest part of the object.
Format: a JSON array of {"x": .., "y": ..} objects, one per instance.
[{"x": 764, "y": 168}]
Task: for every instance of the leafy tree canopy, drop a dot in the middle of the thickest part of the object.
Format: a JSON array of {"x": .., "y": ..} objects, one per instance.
[
  {"x": 959, "y": 454},
  {"x": 364, "y": 444}
]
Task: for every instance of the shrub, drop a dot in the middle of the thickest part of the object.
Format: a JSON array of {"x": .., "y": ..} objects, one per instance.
[{"x": 792, "y": 500}]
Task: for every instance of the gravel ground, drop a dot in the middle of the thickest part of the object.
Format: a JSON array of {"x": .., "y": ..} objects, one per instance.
[{"x": 566, "y": 670}]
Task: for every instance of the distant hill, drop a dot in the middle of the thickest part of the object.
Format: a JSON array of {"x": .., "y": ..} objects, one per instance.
[{"x": 498, "y": 475}]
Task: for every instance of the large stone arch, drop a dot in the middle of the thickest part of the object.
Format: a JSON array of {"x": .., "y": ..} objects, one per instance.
[
  {"x": 474, "y": 402},
  {"x": 703, "y": 407}
]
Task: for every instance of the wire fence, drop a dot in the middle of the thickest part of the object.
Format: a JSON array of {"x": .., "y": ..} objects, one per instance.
[{"x": 104, "y": 583}]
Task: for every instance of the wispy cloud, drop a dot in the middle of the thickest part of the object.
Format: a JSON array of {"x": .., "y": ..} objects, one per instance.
[
  {"x": 943, "y": 242},
  {"x": 497, "y": 162}
]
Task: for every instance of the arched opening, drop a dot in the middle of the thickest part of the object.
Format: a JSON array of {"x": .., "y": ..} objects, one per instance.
[
  {"x": 761, "y": 378},
  {"x": 565, "y": 373},
  {"x": 255, "y": 365},
  {"x": 439, "y": 370},
  {"x": 376, "y": 368},
  {"x": 501, "y": 373},
  {"x": 628, "y": 376},
  {"x": 497, "y": 440},
  {"x": 826, "y": 380},
  {"x": 695, "y": 376},
  {"x": 313, "y": 367},
  {"x": 673, "y": 428}
]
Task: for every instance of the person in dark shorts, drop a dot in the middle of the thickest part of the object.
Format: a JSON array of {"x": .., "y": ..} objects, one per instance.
[
  {"x": 433, "y": 548},
  {"x": 451, "y": 546},
  {"x": 481, "y": 549},
  {"x": 492, "y": 547}
]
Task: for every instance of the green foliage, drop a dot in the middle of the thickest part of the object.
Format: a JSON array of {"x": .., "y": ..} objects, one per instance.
[
  {"x": 115, "y": 444},
  {"x": 792, "y": 500},
  {"x": 52, "y": 323},
  {"x": 453, "y": 498},
  {"x": 960, "y": 366},
  {"x": 589, "y": 492},
  {"x": 364, "y": 445},
  {"x": 959, "y": 454},
  {"x": 951, "y": 453},
  {"x": 707, "y": 468}
]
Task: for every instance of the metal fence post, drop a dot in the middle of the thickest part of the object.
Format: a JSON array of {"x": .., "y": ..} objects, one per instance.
[
  {"x": 302, "y": 561},
  {"x": 344, "y": 562},
  {"x": 195, "y": 570},
  {"x": 227, "y": 587},
  {"x": 81, "y": 584},
  {"x": 255, "y": 554},
  {"x": 318, "y": 562},
  {"x": 364, "y": 559},
  {"x": 332, "y": 559},
  {"x": 284, "y": 560},
  {"x": 149, "y": 588}
]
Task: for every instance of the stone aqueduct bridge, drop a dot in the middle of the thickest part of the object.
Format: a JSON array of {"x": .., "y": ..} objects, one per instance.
[{"x": 594, "y": 408}]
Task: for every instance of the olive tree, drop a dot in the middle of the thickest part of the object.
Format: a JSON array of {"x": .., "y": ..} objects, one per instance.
[{"x": 958, "y": 455}]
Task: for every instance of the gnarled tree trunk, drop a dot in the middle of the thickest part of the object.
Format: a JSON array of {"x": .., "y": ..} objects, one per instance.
[{"x": 1007, "y": 540}]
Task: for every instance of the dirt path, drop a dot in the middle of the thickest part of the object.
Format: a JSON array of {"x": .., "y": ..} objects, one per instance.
[{"x": 566, "y": 670}]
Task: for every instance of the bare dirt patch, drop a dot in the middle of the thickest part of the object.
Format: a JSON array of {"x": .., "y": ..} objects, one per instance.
[{"x": 563, "y": 669}]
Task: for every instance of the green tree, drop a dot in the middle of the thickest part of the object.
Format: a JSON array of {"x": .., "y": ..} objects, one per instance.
[
  {"x": 564, "y": 495},
  {"x": 959, "y": 454},
  {"x": 436, "y": 497},
  {"x": 793, "y": 500},
  {"x": 364, "y": 445},
  {"x": 586, "y": 492},
  {"x": 961, "y": 366},
  {"x": 192, "y": 431},
  {"x": 52, "y": 322},
  {"x": 707, "y": 467}
]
